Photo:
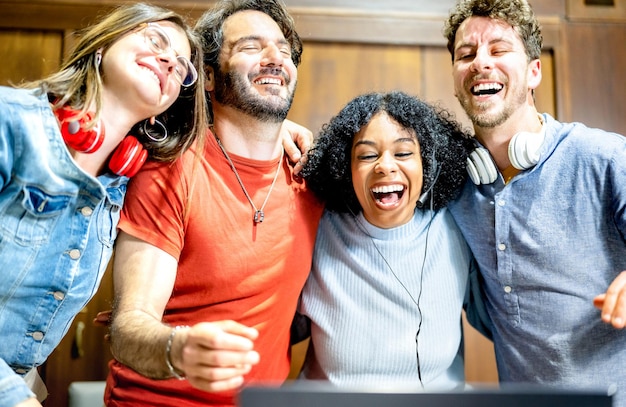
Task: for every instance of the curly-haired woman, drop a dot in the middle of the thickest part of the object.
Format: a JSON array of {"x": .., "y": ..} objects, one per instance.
[{"x": 390, "y": 270}]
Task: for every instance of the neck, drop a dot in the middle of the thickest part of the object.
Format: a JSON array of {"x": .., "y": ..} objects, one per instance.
[
  {"x": 246, "y": 136},
  {"x": 496, "y": 139},
  {"x": 118, "y": 119}
]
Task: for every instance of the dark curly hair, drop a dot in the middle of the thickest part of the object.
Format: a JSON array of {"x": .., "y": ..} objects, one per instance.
[{"x": 440, "y": 137}]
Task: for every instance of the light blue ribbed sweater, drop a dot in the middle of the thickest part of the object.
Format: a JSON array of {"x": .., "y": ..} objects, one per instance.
[{"x": 364, "y": 322}]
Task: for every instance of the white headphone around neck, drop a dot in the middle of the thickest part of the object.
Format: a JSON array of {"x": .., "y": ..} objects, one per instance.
[{"x": 523, "y": 153}]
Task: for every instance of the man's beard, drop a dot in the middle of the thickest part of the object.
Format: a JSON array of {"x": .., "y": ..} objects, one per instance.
[
  {"x": 487, "y": 120},
  {"x": 481, "y": 117},
  {"x": 232, "y": 90}
]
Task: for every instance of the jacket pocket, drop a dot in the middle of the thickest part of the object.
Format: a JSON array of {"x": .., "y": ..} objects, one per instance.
[{"x": 35, "y": 216}]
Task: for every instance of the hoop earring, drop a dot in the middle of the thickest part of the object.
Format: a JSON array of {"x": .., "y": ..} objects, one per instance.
[{"x": 150, "y": 136}]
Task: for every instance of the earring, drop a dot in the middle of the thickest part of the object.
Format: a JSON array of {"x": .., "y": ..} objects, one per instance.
[
  {"x": 152, "y": 121},
  {"x": 98, "y": 58}
]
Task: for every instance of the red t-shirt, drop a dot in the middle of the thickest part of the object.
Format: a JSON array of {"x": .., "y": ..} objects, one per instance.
[{"x": 229, "y": 268}]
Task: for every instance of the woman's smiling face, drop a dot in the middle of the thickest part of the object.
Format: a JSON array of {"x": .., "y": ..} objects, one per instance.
[{"x": 387, "y": 173}]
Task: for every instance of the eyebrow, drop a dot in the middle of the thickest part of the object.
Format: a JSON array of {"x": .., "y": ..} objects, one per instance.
[
  {"x": 492, "y": 42},
  {"x": 399, "y": 140},
  {"x": 246, "y": 38},
  {"x": 256, "y": 38}
]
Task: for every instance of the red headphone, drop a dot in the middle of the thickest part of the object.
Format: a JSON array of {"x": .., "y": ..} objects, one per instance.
[{"x": 127, "y": 158}]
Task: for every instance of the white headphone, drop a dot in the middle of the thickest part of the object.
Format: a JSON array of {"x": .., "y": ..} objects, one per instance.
[{"x": 523, "y": 153}]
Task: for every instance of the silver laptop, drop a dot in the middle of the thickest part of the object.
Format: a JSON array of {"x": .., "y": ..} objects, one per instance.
[{"x": 315, "y": 394}]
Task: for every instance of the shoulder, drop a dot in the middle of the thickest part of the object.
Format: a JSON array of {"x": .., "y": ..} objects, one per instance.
[
  {"x": 581, "y": 134},
  {"x": 338, "y": 225},
  {"x": 588, "y": 144},
  {"x": 444, "y": 221},
  {"x": 24, "y": 97}
]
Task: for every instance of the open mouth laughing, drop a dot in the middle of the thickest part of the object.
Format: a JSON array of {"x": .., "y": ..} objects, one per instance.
[
  {"x": 386, "y": 195},
  {"x": 268, "y": 81},
  {"x": 483, "y": 89}
]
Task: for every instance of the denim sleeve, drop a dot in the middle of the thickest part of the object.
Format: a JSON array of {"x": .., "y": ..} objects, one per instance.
[
  {"x": 13, "y": 388},
  {"x": 474, "y": 305},
  {"x": 6, "y": 150}
]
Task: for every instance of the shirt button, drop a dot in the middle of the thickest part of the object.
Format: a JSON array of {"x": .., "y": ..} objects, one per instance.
[
  {"x": 21, "y": 371},
  {"x": 58, "y": 295},
  {"x": 74, "y": 254},
  {"x": 38, "y": 336},
  {"x": 501, "y": 202},
  {"x": 501, "y": 247},
  {"x": 86, "y": 211},
  {"x": 507, "y": 289}
]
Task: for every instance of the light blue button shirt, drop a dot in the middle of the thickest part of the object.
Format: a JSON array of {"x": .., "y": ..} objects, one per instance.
[
  {"x": 57, "y": 229},
  {"x": 547, "y": 243}
]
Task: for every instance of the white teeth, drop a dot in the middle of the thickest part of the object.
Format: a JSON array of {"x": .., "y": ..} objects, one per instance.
[
  {"x": 268, "y": 81},
  {"x": 386, "y": 189},
  {"x": 487, "y": 86},
  {"x": 156, "y": 78}
]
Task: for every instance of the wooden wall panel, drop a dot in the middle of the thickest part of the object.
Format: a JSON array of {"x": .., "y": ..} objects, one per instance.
[
  {"x": 579, "y": 10},
  {"x": 595, "y": 90},
  {"x": 545, "y": 94},
  {"x": 437, "y": 82},
  {"x": 331, "y": 74},
  {"x": 28, "y": 55}
]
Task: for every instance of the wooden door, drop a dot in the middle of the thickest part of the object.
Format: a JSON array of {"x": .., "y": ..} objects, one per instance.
[{"x": 28, "y": 55}]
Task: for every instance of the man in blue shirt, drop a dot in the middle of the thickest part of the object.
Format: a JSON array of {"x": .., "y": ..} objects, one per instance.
[{"x": 544, "y": 212}]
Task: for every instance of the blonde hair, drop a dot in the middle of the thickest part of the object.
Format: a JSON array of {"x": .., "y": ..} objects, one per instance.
[{"x": 78, "y": 83}]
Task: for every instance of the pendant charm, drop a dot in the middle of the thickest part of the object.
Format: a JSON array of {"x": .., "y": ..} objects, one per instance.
[{"x": 259, "y": 216}]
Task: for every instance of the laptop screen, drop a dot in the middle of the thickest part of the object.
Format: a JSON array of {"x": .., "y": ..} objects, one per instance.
[{"x": 315, "y": 394}]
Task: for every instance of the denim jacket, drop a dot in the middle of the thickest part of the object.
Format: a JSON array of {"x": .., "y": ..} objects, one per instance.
[{"x": 57, "y": 229}]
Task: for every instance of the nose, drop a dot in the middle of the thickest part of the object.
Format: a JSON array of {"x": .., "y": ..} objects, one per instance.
[
  {"x": 482, "y": 60},
  {"x": 169, "y": 59},
  {"x": 272, "y": 55},
  {"x": 386, "y": 164},
  {"x": 167, "y": 56}
]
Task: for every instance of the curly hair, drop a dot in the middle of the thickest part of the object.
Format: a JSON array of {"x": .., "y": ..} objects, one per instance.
[
  {"x": 444, "y": 148},
  {"x": 517, "y": 13}
]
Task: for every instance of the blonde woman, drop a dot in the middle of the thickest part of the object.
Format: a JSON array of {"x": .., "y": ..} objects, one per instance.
[{"x": 129, "y": 92}]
